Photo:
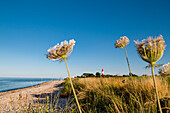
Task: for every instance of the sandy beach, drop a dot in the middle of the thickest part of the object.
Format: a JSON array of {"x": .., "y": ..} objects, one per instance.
[{"x": 30, "y": 95}]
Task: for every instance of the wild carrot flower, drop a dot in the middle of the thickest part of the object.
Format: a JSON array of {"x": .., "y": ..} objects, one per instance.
[
  {"x": 165, "y": 70},
  {"x": 121, "y": 43},
  {"x": 61, "y": 52},
  {"x": 151, "y": 50}
]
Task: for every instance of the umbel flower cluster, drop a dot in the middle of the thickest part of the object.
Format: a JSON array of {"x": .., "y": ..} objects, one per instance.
[
  {"x": 151, "y": 49},
  {"x": 122, "y": 42},
  {"x": 61, "y": 51},
  {"x": 165, "y": 70}
]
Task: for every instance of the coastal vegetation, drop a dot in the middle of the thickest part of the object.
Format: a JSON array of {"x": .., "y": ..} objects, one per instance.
[
  {"x": 99, "y": 94},
  {"x": 117, "y": 95}
]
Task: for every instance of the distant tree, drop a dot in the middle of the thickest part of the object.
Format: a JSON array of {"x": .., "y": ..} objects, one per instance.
[
  {"x": 125, "y": 75},
  {"x": 134, "y": 75},
  {"x": 104, "y": 76},
  {"x": 82, "y": 76},
  {"x": 109, "y": 75},
  {"x": 91, "y": 75},
  {"x": 116, "y": 75},
  {"x": 85, "y": 74},
  {"x": 144, "y": 75},
  {"x": 88, "y": 75},
  {"x": 98, "y": 74}
]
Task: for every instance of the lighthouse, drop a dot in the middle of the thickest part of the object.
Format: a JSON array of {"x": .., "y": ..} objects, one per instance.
[{"x": 102, "y": 71}]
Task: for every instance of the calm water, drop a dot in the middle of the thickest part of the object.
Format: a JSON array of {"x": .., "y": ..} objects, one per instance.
[{"x": 14, "y": 83}]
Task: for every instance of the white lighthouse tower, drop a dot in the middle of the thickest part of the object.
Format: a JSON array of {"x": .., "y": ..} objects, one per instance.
[{"x": 102, "y": 71}]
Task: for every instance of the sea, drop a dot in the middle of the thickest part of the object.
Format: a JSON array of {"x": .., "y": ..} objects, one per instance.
[{"x": 7, "y": 84}]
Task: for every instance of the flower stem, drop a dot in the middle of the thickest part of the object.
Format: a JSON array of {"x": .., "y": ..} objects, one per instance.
[
  {"x": 128, "y": 62},
  {"x": 72, "y": 86},
  {"x": 154, "y": 80},
  {"x": 136, "y": 95}
]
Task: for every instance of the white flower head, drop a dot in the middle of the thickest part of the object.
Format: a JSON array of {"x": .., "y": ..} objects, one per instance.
[
  {"x": 151, "y": 49},
  {"x": 61, "y": 51},
  {"x": 122, "y": 42},
  {"x": 165, "y": 70}
]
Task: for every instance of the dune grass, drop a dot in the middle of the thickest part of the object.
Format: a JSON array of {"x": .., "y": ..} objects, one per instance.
[{"x": 117, "y": 95}]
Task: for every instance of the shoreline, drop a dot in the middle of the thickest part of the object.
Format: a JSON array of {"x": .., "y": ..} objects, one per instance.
[
  {"x": 25, "y": 86},
  {"x": 29, "y": 94},
  {"x": 5, "y": 90}
]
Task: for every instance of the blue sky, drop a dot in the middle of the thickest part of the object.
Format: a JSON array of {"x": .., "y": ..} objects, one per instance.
[{"x": 29, "y": 27}]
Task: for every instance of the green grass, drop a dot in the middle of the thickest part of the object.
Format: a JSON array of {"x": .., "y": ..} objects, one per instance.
[{"x": 112, "y": 95}]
